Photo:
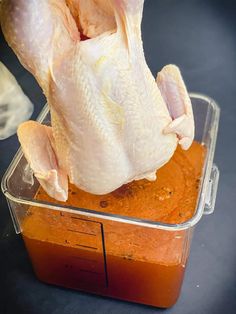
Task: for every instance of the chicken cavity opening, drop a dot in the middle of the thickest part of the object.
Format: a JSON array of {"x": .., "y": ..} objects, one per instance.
[{"x": 92, "y": 17}]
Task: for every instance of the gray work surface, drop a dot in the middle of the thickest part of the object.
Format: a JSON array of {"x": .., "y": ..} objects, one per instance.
[{"x": 200, "y": 37}]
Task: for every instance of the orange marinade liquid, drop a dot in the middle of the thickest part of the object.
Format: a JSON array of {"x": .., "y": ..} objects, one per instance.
[{"x": 116, "y": 259}]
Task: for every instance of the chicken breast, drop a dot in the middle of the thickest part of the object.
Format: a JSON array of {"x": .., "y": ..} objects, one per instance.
[{"x": 111, "y": 121}]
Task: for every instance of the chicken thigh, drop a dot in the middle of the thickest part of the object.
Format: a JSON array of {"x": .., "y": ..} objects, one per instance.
[{"x": 111, "y": 122}]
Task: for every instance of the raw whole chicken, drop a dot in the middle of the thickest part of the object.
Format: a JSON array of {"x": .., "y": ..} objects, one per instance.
[{"x": 111, "y": 121}]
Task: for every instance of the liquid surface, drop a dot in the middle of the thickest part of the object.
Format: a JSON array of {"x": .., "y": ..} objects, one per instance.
[
  {"x": 115, "y": 259},
  {"x": 170, "y": 199}
]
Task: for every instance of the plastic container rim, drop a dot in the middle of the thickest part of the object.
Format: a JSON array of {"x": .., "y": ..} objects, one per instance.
[{"x": 124, "y": 219}]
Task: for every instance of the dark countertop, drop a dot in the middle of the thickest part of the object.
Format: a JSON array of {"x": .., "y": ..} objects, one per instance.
[{"x": 200, "y": 37}]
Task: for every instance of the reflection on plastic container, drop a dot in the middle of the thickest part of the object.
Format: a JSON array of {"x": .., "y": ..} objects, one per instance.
[{"x": 102, "y": 252}]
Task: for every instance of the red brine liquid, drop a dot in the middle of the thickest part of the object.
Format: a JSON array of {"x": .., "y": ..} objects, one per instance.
[{"x": 120, "y": 260}]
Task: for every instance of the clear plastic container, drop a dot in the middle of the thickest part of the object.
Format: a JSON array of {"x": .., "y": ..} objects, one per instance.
[{"x": 80, "y": 251}]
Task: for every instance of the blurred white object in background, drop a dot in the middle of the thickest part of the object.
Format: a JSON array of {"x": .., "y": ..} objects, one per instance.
[{"x": 15, "y": 106}]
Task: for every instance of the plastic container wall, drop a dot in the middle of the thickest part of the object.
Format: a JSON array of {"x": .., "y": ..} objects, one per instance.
[
  {"x": 116, "y": 259},
  {"x": 111, "y": 255}
]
